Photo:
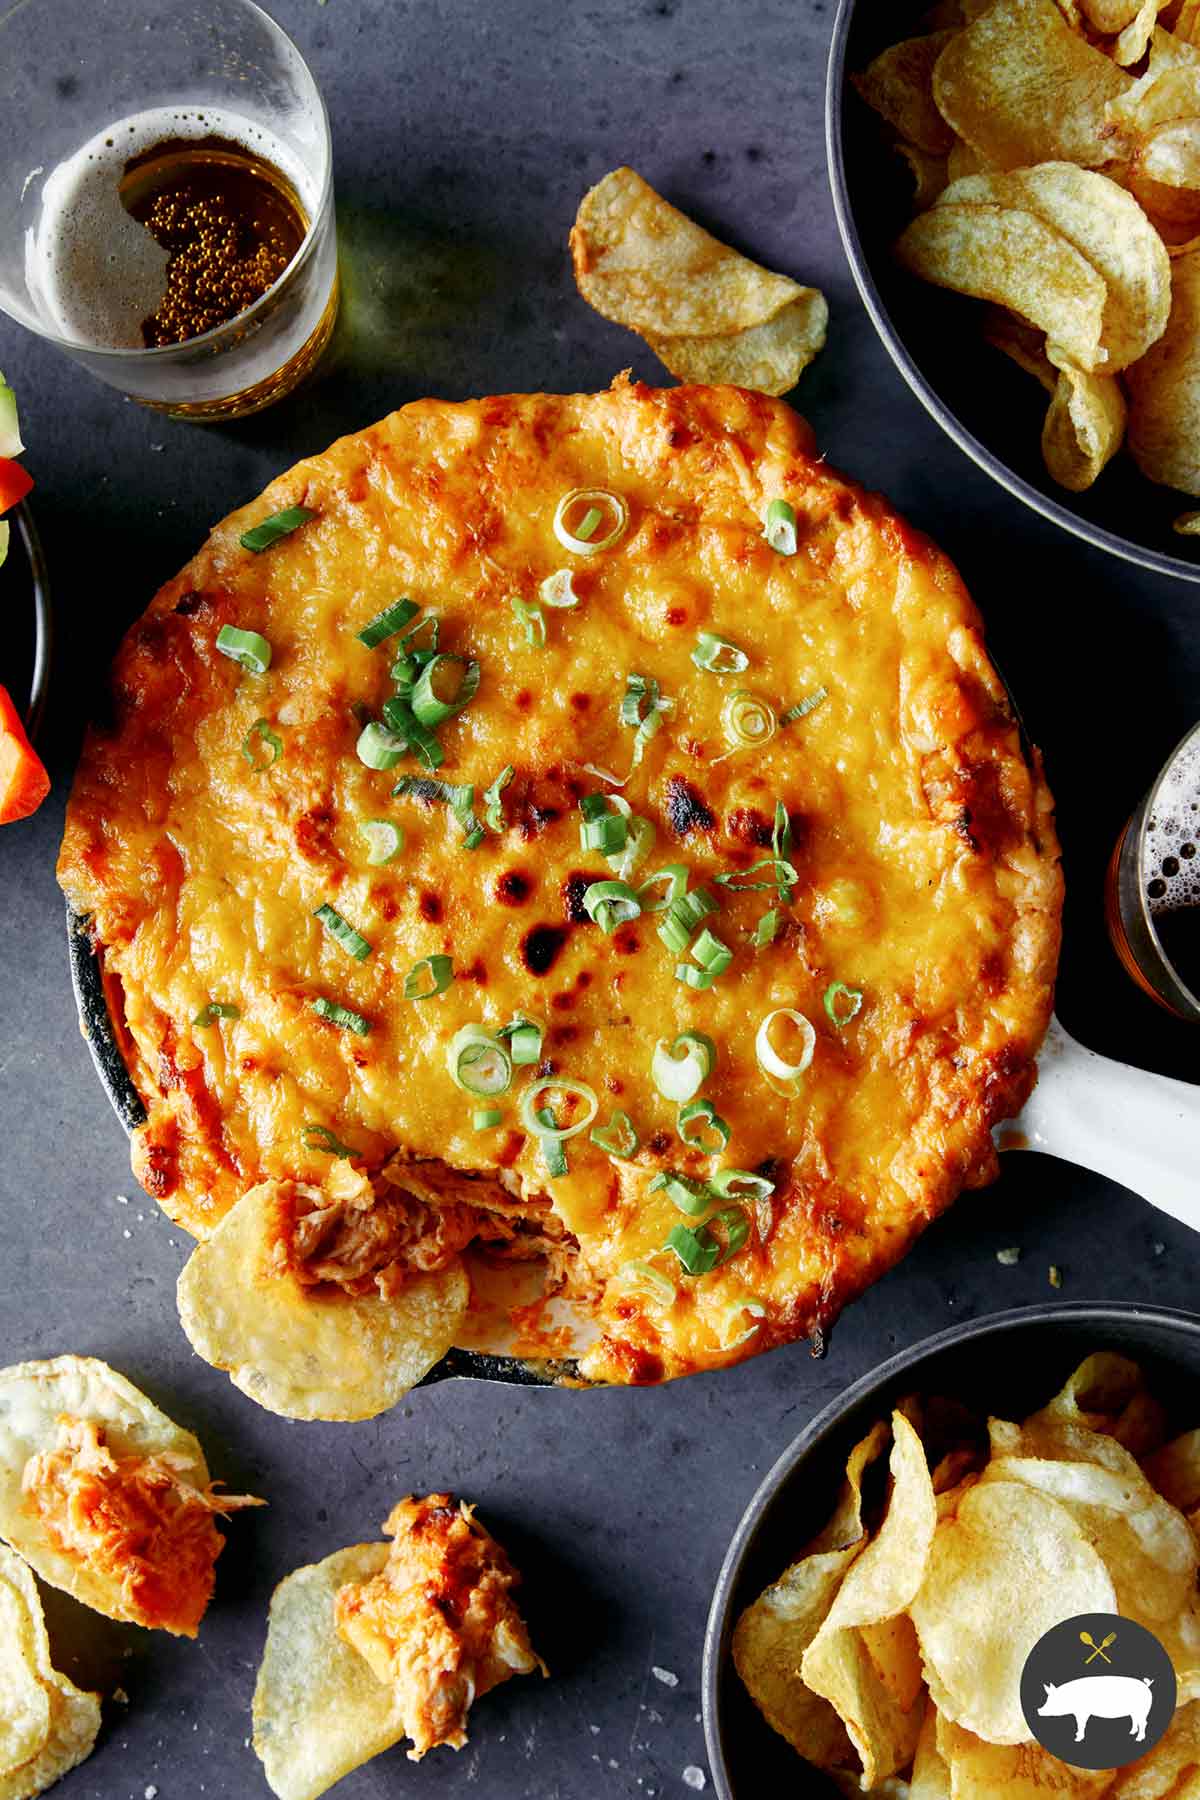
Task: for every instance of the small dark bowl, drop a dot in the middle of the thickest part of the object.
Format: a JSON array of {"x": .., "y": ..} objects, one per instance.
[
  {"x": 1009, "y": 1364},
  {"x": 25, "y": 605},
  {"x": 992, "y": 410}
]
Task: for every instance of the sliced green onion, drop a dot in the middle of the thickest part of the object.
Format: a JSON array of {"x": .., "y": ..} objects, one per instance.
[
  {"x": 644, "y": 708},
  {"x": 740, "y": 1184},
  {"x": 478, "y": 1062},
  {"x": 524, "y": 1039},
  {"x": 739, "y": 879},
  {"x": 697, "y": 1249},
  {"x": 719, "y": 655},
  {"x": 401, "y": 719},
  {"x": 319, "y": 1137},
  {"x": 484, "y": 1117},
  {"x": 343, "y": 933},
  {"x": 676, "y": 877},
  {"x": 684, "y": 913},
  {"x": 769, "y": 1059},
  {"x": 582, "y": 541},
  {"x": 697, "y": 1117},
  {"x": 279, "y": 525},
  {"x": 781, "y": 844},
  {"x": 411, "y": 659},
  {"x": 748, "y": 719},
  {"x": 460, "y": 800},
  {"x": 387, "y": 623},
  {"x": 842, "y": 1003},
  {"x": 779, "y": 528},
  {"x": 639, "y": 842},
  {"x": 803, "y": 707},
  {"x": 611, "y": 903},
  {"x": 711, "y": 953},
  {"x": 432, "y": 975},
  {"x": 533, "y": 619},
  {"x": 767, "y": 929},
  {"x": 531, "y": 1118},
  {"x": 642, "y": 1279},
  {"x": 385, "y": 840},
  {"x": 432, "y": 707},
  {"x": 378, "y": 747},
  {"x": 600, "y": 829},
  {"x": 341, "y": 1015},
  {"x": 216, "y": 1009},
  {"x": 690, "y": 1196},
  {"x": 494, "y": 805},
  {"x": 680, "y": 1068},
  {"x": 261, "y": 728},
  {"x": 553, "y": 1154},
  {"x": 558, "y": 590},
  {"x": 735, "y": 1313},
  {"x": 618, "y": 1137},
  {"x": 248, "y": 648},
  {"x": 698, "y": 979}
]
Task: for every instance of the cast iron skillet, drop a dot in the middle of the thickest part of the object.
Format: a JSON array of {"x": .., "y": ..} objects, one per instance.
[
  {"x": 1009, "y": 1364},
  {"x": 991, "y": 411}
]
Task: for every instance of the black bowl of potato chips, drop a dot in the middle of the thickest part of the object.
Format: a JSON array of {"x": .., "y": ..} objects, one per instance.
[
  {"x": 1017, "y": 183},
  {"x": 880, "y": 1597}
]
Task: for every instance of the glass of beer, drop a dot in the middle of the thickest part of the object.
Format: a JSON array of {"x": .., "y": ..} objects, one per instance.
[{"x": 166, "y": 198}]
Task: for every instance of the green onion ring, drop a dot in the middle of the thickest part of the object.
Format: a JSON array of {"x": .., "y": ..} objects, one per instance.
[
  {"x": 711, "y": 954},
  {"x": 342, "y": 932},
  {"x": 583, "y": 541},
  {"x": 680, "y": 1068},
  {"x": 647, "y": 1282},
  {"x": 676, "y": 877},
  {"x": 555, "y": 1084},
  {"x": 698, "y": 979},
  {"x": 335, "y": 1014},
  {"x": 478, "y": 1062},
  {"x": 803, "y": 707},
  {"x": 216, "y": 1009},
  {"x": 279, "y": 525},
  {"x": 697, "y": 1250},
  {"x": 247, "y": 648},
  {"x": 558, "y": 590},
  {"x": 387, "y": 623},
  {"x": 740, "y": 1184},
  {"x": 733, "y": 1313},
  {"x": 836, "y": 991},
  {"x": 385, "y": 840},
  {"x": 618, "y": 1138},
  {"x": 767, "y": 929},
  {"x": 261, "y": 728},
  {"x": 378, "y": 747},
  {"x": 769, "y": 1060},
  {"x": 611, "y": 903},
  {"x": 524, "y": 1039},
  {"x": 553, "y": 1154},
  {"x": 639, "y": 842},
  {"x": 440, "y": 970},
  {"x": 319, "y": 1137},
  {"x": 493, "y": 804},
  {"x": 533, "y": 619},
  {"x": 428, "y": 706},
  {"x": 738, "y": 882},
  {"x": 401, "y": 719},
  {"x": 690, "y": 1196},
  {"x": 779, "y": 527},
  {"x": 719, "y": 655},
  {"x": 484, "y": 1117},
  {"x": 748, "y": 720},
  {"x": 696, "y": 1117}
]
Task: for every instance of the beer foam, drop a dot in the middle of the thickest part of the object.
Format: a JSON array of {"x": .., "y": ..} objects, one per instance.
[
  {"x": 1171, "y": 845},
  {"x": 93, "y": 271}
]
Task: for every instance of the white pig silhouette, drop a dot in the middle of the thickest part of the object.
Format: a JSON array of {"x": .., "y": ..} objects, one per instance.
[{"x": 1100, "y": 1697}]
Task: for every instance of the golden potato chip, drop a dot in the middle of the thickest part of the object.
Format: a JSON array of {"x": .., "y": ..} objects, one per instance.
[
  {"x": 1008, "y": 1566},
  {"x": 1016, "y": 260},
  {"x": 1164, "y": 1771},
  {"x": 1171, "y": 155},
  {"x": 24, "y": 1700},
  {"x": 1021, "y": 343},
  {"x": 33, "y": 1398},
  {"x": 1084, "y": 427},
  {"x": 299, "y": 1351},
  {"x": 929, "y": 174},
  {"x": 1185, "y": 26},
  {"x": 1174, "y": 1469},
  {"x": 1110, "y": 16},
  {"x": 644, "y": 264},
  {"x": 869, "y": 1681},
  {"x": 983, "y": 1771},
  {"x": 318, "y": 1710},
  {"x": 962, "y": 160},
  {"x": 1187, "y": 525},
  {"x": 769, "y": 358},
  {"x": 1167, "y": 92},
  {"x": 67, "y": 1717},
  {"x": 1107, "y": 226},
  {"x": 1164, "y": 390},
  {"x": 899, "y": 86},
  {"x": 74, "y": 1722},
  {"x": 1098, "y": 1390},
  {"x": 773, "y": 1633},
  {"x": 1021, "y": 87},
  {"x": 1134, "y": 40},
  {"x": 930, "y": 1776}
]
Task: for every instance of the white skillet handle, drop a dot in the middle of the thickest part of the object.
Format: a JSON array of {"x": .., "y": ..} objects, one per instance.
[{"x": 1139, "y": 1129}]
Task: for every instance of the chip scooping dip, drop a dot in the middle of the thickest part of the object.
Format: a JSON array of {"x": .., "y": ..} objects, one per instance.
[
  {"x": 892, "y": 1651},
  {"x": 105, "y": 1497},
  {"x": 708, "y": 313},
  {"x": 379, "y": 1643},
  {"x": 47, "y": 1724}
]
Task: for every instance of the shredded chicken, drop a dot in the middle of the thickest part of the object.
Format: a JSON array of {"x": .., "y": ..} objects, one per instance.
[
  {"x": 137, "y": 1520},
  {"x": 438, "y": 1624}
]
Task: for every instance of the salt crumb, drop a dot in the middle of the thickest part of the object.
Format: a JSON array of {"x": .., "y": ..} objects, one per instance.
[
  {"x": 122, "y": 1199},
  {"x": 613, "y": 1763},
  {"x": 694, "y": 1777},
  {"x": 127, "y": 1233},
  {"x": 152, "y": 1792},
  {"x": 595, "y": 1730},
  {"x": 1158, "y": 1249},
  {"x": 1009, "y": 1257},
  {"x": 668, "y": 1677}
]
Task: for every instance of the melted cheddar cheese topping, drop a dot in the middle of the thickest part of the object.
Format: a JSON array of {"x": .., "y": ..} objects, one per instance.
[{"x": 922, "y": 839}]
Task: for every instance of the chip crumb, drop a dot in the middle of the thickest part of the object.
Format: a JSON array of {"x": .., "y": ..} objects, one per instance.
[
  {"x": 595, "y": 1730},
  {"x": 120, "y": 1696},
  {"x": 1010, "y": 1256},
  {"x": 127, "y": 1233},
  {"x": 151, "y": 1792},
  {"x": 1158, "y": 1249},
  {"x": 122, "y": 1199},
  {"x": 668, "y": 1677},
  {"x": 694, "y": 1777},
  {"x": 1055, "y": 1276}
]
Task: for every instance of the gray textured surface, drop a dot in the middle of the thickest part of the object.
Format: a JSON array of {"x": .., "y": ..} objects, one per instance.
[{"x": 464, "y": 136}]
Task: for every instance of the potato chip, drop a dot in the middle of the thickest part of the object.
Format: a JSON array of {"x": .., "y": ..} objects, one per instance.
[
  {"x": 1107, "y": 226},
  {"x": 1185, "y": 26},
  {"x": 1022, "y": 88},
  {"x": 1016, "y": 260},
  {"x": 899, "y": 86},
  {"x": 1007, "y": 1567},
  {"x": 770, "y": 358},
  {"x": 773, "y": 1633},
  {"x": 1084, "y": 428},
  {"x": 24, "y": 1700},
  {"x": 1187, "y": 525},
  {"x": 67, "y": 1718},
  {"x": 1110, "y": 16},
  {"x": 33, "y": 1398},
  {"x": 74, "y": 1722},
  {"x": 300, "y": 1351},
  {"x": 869, "y": 1680},
  {"x": 642, "y": 263},
  {"x": 1134, "y": 40},
  {"x": 1095, "y": 1392},
  {"x": 1158, "y": 1774},
  {"x": 318, "y": 1710},
  {"x": 929, "y": 174},
  {"x": 930, "y": 1776},
  {"x": 983, "y": 1771},
  {"x": 962, "y": 160},
  {"x": 1021, "y": 343},
  {"x": 1174, "y": 1468},
  {"x": 1171, "y": 155},
  {"x": 1164, "y": 390}
]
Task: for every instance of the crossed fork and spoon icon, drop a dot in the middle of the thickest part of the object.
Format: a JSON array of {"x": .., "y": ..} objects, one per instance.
[{"x": 1085, "y": 1637}]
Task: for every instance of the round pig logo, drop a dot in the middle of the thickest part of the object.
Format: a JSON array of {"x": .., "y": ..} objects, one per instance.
[{"x": 1098, "y": 1691}]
